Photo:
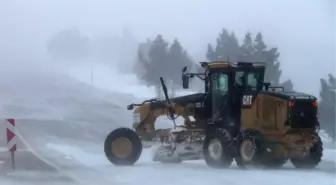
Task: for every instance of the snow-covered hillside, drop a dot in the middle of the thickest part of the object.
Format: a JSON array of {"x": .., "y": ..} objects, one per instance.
[{"x": 38, "y": 91}]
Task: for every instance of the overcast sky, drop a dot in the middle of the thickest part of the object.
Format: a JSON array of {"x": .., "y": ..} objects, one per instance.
[{"x": 304, "y": 30}]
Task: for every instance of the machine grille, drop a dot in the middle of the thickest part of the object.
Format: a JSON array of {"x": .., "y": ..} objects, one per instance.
[{"x": 303, "y": 114}]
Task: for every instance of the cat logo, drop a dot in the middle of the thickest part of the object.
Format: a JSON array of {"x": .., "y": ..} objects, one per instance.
[
  {"x": 247, "y": 100},
  {"x": 199, "y": 104}
]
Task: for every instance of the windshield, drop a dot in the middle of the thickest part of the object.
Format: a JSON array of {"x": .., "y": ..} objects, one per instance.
[{"x": 253, "y": 80}]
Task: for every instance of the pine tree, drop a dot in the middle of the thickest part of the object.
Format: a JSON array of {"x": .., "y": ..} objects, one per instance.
[
  {"x": 259, "y": 48},
  {"x": 227, "y": 48},
  {"x": 251, "y": 50},
  {"x": 153, "y": 62},
  {"x": 159, "y": 59},
  {"x": 246, "y": 49},
  {"x": 260, "y": 53},
  {"x": 158, "y": 56},
  {"x": 270, "y": 57},
  {"x": 178, "y": 58},
  {"x": 223, "y": 45},
  {"x": 211, "y": 54},
  {"x": 234, "y": 49},
  {"x": 327, "y": 105},
  {"x": 273, "y": 72},
  {"x": 142, "y": 66}
]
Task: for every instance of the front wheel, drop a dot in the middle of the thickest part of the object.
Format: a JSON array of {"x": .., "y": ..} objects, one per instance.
[
  {"x": 123, "y": 146},
  {"x": 217, "y": 149},
  {"x": 250, "y": 149}
]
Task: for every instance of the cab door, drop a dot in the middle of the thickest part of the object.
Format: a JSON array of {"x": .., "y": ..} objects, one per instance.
[
  {"x": 249, "y": 102},
  {"x": 252, "y": 87},
  {"x": 220, "y": 93}
]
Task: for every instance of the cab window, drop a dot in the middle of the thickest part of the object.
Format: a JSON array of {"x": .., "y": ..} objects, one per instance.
[
  {"x": 220, "y": 84},
  {"x": 252, "y": 80}
]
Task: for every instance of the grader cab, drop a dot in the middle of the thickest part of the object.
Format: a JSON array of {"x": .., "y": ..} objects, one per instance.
[{"x": 238, "y": 117}]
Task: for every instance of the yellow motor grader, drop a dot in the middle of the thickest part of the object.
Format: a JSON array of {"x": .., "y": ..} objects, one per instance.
[{"x": 238, "y": 117}]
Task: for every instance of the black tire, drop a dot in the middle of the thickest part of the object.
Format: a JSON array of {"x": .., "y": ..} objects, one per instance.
[
  {"x": 259, "y": 149},
  {"x": 136, "y": 146},
  {"x": 312, "y": 159},
  {"x": 226, "y": 155}
]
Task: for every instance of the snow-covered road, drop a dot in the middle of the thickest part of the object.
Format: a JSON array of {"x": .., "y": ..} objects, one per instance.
[
  {"x": 82, "y": 159},
  {"x": 196, "y": 172}
]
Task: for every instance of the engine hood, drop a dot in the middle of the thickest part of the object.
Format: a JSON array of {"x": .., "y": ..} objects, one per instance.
[{"x": 289, "y": 95}]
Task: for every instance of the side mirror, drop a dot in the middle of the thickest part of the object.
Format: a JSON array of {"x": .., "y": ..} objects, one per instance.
[
  {"x": 184, "y": 69},
  {"x": 185, "y": 78}
]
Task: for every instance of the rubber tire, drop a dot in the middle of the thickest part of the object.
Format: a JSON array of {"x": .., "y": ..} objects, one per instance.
[
  {"x": 226, "y": 141},
  {"x": 136, "y": 147},
  {"x": 257, "y": 138},
  {"x": 313, "y": 159}
]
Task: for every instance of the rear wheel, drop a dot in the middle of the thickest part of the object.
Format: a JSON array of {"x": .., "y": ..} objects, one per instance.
[
  {"x": 123, "y": 146},
  {"x": 217, "y": 149},
  {"x": 250, "y": 149},
  {"x": 312, "y": 159}
]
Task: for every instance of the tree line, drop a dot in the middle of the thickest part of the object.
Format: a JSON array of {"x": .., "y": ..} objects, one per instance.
[{"x": 159, "y": 58}]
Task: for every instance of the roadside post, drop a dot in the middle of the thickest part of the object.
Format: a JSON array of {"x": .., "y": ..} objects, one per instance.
[{"x": 11, "y": 140}]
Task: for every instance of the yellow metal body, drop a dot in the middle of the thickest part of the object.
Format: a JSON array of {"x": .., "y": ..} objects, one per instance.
[{"x": 267, "y": 115}]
